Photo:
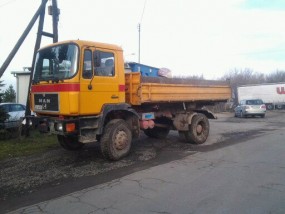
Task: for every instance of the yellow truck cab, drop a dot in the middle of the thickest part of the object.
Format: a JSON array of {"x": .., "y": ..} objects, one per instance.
[
  {"x": 81, "y": 92},
  {"x": 83, "y": 76}
]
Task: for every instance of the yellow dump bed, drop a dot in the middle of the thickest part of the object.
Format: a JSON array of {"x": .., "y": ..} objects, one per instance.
[{"x": 141, "y": 90}]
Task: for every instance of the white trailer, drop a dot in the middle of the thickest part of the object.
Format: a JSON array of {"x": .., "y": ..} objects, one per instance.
[{"x": 272, "y": 94}]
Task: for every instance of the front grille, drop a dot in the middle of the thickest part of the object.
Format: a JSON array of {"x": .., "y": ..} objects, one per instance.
[{"x": 46, "y": 102}]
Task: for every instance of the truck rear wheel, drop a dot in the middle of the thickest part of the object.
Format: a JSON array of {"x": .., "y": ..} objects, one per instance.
[
  {"x": 157, "y": 132},
  {"x": 198, "y": 130},
  {"x": 116, "y": 140},
  {"x": 69, "y": 143}
]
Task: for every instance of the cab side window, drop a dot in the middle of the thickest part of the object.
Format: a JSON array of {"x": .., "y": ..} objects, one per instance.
[
  {"x": 104, "y": 63},
  {"x": 87, "y": 66}
]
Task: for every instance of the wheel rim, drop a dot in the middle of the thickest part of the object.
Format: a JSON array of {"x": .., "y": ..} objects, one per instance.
[
  {"x": 270, "y": 107},
  {"x": 121, "y": 140},
  {"x": 199, "y": 129}
]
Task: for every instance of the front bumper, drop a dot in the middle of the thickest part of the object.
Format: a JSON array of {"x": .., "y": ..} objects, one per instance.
[
  {"x": 56, "y": 126},
  {"x": 63, "y": 126}
]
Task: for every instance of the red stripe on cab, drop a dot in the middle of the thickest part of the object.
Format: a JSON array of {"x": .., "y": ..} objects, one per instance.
[{"x": 68, "y": 87}]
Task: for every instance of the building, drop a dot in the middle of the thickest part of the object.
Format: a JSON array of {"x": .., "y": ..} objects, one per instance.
[{"x": 22, "y": 85}]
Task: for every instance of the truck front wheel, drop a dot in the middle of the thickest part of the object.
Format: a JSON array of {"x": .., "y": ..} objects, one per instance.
[
  {"x": 116, "y": 140},
  {"x": 69, "y": 143},
  {"x": 198, "y": 130}
]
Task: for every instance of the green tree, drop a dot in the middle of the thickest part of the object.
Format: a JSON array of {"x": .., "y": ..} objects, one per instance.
[
  {"x": 1, "y": 93},
  {"x": 3, "y": 114},
  {"x": 9, "y": 95}
]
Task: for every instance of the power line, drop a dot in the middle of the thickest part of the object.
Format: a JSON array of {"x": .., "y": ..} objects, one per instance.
[
  {"x": 143, "y": 11},
  {"x": 6, "y": 3},
  {"x": 139, "y": 29}
]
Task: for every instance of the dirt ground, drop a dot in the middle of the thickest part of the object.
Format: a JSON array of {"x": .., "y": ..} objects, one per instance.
[{"x": 27, "y": 176}]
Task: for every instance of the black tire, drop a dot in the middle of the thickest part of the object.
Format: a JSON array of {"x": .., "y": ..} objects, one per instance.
[
  {"x": 69, "y": 143},
  {"x": 157, "y": 132},
  {"x": 241, "y": 114},
  {"x": 269, "y": 106},
  {"x": 198, "y": 130},
  {"x": 116, "y": 140},
  {"x": 262, "y": 116}
]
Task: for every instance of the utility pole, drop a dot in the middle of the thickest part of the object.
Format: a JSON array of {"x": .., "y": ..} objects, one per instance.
[
  {"x": 54, "y": 12},
  {"x": 40, "y": 13},
  {"x": 22, "y": 38},
  {"x": 139, "y": 28},
  {"x": 55, "y": 18}
]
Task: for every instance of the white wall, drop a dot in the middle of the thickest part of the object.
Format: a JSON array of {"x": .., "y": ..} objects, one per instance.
[{"x": 22, "y": 88}]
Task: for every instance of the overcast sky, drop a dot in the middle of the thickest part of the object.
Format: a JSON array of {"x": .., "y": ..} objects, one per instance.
[{"x": 190, "y": 37}]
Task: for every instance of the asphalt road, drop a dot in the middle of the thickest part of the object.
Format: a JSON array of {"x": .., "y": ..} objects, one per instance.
[{"x": 240, "y": 169}]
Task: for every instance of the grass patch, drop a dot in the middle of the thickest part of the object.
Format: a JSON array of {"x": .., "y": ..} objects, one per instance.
[{"x": 36, "y": 143}]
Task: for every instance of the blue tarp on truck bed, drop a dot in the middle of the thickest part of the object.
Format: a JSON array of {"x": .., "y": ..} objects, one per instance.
[{"x": 147, "y": 71}]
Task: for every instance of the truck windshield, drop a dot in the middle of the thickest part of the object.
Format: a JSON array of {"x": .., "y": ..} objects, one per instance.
[{"x": 56, "y": 63}]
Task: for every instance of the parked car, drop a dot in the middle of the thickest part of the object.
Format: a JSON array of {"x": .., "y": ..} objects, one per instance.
[
  {"x": 15, "y": 111},
  {"x": 250, "y": 107}
]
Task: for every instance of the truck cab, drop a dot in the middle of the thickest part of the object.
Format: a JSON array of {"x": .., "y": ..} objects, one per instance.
[
  {"x": 77, "y": 88},
  {"x": 77, "y": 78}
]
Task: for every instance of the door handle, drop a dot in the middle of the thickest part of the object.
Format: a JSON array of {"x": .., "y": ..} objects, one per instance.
[{"x": 114, "y": 96}]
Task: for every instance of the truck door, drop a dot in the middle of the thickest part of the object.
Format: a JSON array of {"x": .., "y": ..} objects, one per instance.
[{"x": 99, "y": 80}]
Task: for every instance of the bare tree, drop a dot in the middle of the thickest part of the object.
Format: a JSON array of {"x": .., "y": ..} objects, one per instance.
[
  {"x": 274, "y": 77},
  {"x": 242, "y": 77}
]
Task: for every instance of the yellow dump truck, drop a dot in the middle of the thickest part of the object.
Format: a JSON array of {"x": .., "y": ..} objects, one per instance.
[{"x": 82, "y": 93}]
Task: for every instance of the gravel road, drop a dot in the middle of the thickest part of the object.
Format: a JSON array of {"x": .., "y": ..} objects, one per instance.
[{"x": 24, "y": 176}]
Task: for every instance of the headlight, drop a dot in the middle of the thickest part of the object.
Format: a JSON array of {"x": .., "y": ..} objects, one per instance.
[
  {"x": 59, "y": 127},
  {"x": 25, "y": 120}
]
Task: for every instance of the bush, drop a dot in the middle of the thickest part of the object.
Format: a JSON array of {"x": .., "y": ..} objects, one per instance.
[{"x": 11, "y": 133}]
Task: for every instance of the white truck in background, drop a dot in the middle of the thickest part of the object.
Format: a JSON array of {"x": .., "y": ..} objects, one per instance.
[{"x": 272, "y": 94}]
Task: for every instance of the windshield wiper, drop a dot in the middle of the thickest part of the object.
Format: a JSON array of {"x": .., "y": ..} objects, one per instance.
[
  {"x": 56, "y": 80},
  {"x": 34, "y": 82},
  {"x": 50, "y": 79}
]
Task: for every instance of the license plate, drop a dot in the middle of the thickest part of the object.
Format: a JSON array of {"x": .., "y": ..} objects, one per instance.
[{"x": 46, "y": 102}]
